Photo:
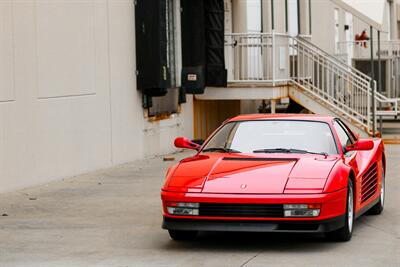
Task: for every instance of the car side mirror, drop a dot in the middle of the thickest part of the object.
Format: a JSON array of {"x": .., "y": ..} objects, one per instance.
[
  {"x": 183, "y": 142},
  {"x": 361, "y": 144}
]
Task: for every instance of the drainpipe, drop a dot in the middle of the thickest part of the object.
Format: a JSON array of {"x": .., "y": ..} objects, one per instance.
[
  {"x": 298, "y": 18},
  {"x": 372, "y": 80},
  {"x": 273, "y": 42},
  {"x": 309, "y": 17},
  {"x": 272, "y": 16},
  {"x": 286, "y": 17},
  {"x": 379, "y": 77}
]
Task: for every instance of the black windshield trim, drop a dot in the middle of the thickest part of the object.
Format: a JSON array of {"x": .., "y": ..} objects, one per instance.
[{"x": 315, "y": 121}]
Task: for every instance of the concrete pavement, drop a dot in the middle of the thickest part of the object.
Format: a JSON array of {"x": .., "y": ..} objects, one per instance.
[{"x": 113, "y": 217}]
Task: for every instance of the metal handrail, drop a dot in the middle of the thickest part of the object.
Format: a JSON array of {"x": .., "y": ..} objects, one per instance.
[
  {"x": 332, "y": 82},
  {"x": 251, "y": 57},
  {"x": 337, "y": 84},
  {"x": 333, "y": 58}
]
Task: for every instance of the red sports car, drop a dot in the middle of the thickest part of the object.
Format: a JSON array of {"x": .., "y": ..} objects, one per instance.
[{"x": 275, "y": 173}]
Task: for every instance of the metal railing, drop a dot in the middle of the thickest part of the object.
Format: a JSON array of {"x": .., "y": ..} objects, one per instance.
[
  {"x": 389, "y": 50},
  {"x": 340, "y": 85},
  {"x": 257, "y": 57},
  {"x": 361, "y": 49},
  {"x": 274, "y": 58},
  {"x": 337, "y": 85}
]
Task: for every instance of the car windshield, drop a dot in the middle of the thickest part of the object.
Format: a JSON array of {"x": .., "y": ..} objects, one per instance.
[{"x": 273, "y": 136}]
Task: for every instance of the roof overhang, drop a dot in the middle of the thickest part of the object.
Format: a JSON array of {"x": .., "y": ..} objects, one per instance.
[{"x": 369, "y": 11}]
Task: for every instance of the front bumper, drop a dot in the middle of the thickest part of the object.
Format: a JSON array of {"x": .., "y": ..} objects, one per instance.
[
  {"x": 254, "y": 226},
  {"x": 333, "y": 205}
]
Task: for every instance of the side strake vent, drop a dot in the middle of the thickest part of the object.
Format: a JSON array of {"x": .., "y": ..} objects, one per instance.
[{"x": 369, "y": 183}]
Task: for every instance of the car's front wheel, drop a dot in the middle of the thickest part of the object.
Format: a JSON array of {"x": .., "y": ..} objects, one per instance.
[
  {"x": 345, "y": 233},
  {"x": 182, "y": 235}
]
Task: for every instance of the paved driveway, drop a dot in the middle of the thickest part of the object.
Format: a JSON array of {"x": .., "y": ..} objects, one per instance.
[{"x": 112, "y": 218}]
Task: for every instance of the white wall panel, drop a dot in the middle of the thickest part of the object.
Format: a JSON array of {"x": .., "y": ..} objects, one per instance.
[
  {"x": 6, "y": 52},
  {"x": 127, "y": 112},
  {"x": 70, "y": 66},
  {"x": 65, "y": 47}
]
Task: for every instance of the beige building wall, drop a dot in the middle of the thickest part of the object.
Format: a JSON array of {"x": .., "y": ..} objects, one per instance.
[
  {"x": 279, "y": 16},
  {"x": 68, "y": 97},
  {"x": 323, "y": 25},
  {"x": 359, "y": 25}
]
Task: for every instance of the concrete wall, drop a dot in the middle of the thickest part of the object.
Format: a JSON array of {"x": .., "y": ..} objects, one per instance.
[
  {"x": 68, "y": 98},
  {"x": 359, "y": 25},
  {"x": 323, "y": 25},
  {"x": 279, "y": 16}
]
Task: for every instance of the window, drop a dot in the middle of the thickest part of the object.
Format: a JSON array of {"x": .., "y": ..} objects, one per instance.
[
  {"x": 247, "y": 136},
  {"x": 345, "y": 137}
]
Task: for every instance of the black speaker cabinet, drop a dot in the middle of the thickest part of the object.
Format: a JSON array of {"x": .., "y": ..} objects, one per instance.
[
  {"x": 203, "y": 61},
  {"x": 153, "y": 75}
]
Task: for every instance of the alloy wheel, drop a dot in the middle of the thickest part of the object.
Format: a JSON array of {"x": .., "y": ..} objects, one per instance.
[{"x": 350, "y": 209}]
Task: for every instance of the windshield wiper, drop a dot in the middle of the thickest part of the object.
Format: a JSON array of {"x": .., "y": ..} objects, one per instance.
[
  {"x": 288, "y": 150},
  {"x": 224, "y": 149},
  {"x": 272, "y": 150}
]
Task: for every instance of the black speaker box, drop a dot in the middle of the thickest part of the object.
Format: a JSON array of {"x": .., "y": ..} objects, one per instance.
[{"x": 153, "y": 76}]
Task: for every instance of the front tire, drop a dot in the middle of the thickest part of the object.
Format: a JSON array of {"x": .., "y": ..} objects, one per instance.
[
  {"x": 378, "y": 207},
  {"x": 182, "y": 235},
  {"x": 345, "y": 233}
]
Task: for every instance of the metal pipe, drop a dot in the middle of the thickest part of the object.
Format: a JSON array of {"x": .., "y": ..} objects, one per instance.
[
  {"x": 286, "y": 16},
  {"x": 298, "y": 18},
  {"x": 372, "y": 79},
  {"x": 272, "y": 15},
  {"x": 309, "y": 17},
  {"x": 379, "y": 77},
  {"x": 262, "y": 15}
]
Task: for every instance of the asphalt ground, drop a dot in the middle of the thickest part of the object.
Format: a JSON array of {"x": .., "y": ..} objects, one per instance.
[{"x": 112, "y": 217}]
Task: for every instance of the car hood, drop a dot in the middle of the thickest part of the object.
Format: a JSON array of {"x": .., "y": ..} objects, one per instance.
[{"x": 249, "y": 174}]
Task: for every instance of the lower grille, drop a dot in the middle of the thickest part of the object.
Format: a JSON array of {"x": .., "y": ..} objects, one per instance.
[{"x": 241, "y": 210}]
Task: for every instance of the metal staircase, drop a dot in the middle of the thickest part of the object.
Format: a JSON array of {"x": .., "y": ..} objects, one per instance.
[
  {"x": 340, "y": 88},
  {"x": 317, "y": 80}
]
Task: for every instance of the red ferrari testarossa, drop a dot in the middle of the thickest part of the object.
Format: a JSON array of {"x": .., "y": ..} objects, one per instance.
[{"x": 275, "y": 173}]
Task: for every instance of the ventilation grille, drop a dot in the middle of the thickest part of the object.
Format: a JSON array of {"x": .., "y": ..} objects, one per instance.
[
  {"x": 241, "y": 210},
  {"x": 369, "y": 183}
]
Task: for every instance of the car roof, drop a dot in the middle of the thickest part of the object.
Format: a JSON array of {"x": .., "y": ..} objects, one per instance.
[{"x": 301, "y": 117}]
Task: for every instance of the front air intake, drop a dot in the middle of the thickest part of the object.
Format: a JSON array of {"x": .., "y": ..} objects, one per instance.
[{"x": 241, "y": 210}]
